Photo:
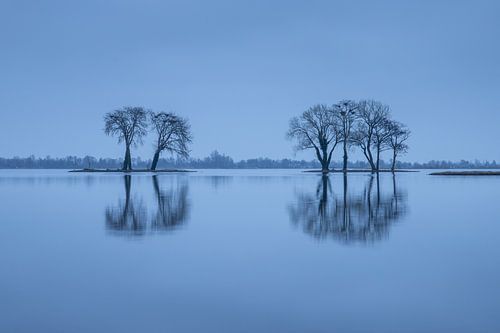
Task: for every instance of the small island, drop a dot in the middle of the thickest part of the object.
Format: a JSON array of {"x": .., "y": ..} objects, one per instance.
[
  {"x": 131, "y": 124},
  {"x": 362, "y": 170},
  {"x": 466, "y": 173}
]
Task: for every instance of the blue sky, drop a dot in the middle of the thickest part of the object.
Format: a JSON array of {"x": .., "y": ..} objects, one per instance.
[{"x": 240, "y": 69}]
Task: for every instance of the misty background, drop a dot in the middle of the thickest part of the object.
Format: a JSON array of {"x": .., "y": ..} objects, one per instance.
[{"x": 239, "y": 70}]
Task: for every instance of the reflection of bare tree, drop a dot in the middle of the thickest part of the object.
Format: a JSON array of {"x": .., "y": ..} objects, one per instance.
[
  {"x": 130, "y": 216},
  {"x": 173, "y": 206},
  {"x": 349, "y": 217}
]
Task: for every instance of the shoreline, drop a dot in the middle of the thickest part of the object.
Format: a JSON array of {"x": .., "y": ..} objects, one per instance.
[
  {"x": 363, "y": 171},
  {"x": 465, "y": 173},
  {"x": 130, "y": 171}
]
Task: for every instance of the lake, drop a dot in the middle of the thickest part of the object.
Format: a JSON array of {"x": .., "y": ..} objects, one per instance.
[{"x": 248, "y": 251}]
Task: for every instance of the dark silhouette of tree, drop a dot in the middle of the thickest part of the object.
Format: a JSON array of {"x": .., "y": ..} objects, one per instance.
[
  {"x": 345, "y": 116},
  {"x": 349, "y": 217},
  {"x": 372, "y": 116},
  {"x": 399, "y": 134},
  {"x": 173, "y": 135},
  {"x": 382, "y": 136},
  {"x": 130, "y": 125},
  {"x": 316, "y": 129}
]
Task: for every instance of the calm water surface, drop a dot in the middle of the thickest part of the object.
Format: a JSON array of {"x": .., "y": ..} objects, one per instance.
[{"x": 248, "y": 251}]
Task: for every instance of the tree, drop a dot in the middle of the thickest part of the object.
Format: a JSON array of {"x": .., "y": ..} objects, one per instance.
[
  {"x": 316, "y": 129},
  {"x": 345, "y": 114},
  {"x": 174, "y": 135},
  {"x": 372, "y": 115},
  {"x": 382, "y": 134},
  {"x": 399, "y": 134},
  {"x": 130, "y": 125}
]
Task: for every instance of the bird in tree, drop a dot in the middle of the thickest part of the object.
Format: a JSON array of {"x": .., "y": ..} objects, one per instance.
[
  {"x": 130, "y": 125},
  {"x": 173, "y": 135},
  {"x": 345, "y": 116},
  {"x": 316, "y": 129}
]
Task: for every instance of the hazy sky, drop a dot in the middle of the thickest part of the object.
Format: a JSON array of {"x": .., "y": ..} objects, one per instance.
[{"x": 240, "y": 69}]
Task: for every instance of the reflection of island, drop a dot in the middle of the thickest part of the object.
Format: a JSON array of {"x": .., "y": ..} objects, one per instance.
[
  {"x": 349, "y": 217},
  {"x": 130, "y": 216}
]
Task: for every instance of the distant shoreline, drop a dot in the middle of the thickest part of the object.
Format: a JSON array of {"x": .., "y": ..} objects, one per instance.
[
  {"x": 363, "y": 170},
  {"x": 130, "y": 171}
]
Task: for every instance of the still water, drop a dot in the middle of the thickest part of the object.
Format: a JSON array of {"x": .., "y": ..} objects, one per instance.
[{"x": 248, "y": 251}]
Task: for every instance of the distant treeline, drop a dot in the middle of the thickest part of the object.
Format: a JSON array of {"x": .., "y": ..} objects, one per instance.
[{"x": 217, "y": 160}]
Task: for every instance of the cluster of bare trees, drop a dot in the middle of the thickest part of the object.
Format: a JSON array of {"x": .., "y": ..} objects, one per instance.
[
  {"x": 366, "y": 124},
  {"x": 131, "y": 124}
]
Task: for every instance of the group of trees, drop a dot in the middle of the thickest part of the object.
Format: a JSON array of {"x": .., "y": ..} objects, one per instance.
[
  {"x": 366, "y": 124},
  {"x": 131, "y": 124}
]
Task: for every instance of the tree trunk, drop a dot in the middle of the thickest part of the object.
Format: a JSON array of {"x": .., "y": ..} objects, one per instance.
[
  {"x": 324, "y": 160},
  {"x": 393, "y": 166},
  {"x": 127, "y": 165},
  {"x": 344, "y": 168},
  {"x": 129, "y": 158},
  {"x": 370, "y": 157},
  {"x": 155, "y": 161}
]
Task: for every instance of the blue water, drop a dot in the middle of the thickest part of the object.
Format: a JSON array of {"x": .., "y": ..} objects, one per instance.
[{"x": 248, "y": 251}]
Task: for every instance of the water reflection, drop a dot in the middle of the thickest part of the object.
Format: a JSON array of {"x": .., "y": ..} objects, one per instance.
[
  {"x": 352, "y": 216},
  {"x": 130, "y": 216},
  {"x": 172, "y": 206}
]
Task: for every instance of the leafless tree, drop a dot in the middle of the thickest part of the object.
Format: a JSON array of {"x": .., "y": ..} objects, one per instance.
[
  {"x": 130, "y": 125},
  {"x": 372, "y": 115},
  {"x": 174, "y": 135},
  {"x": 399, "y": 134},
  {"x": 316, "y": 129},
  {"x": 382, "y": 134},
  {"x": 345, "y": 113}
]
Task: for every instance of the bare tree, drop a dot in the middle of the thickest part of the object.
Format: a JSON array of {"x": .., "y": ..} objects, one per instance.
[
  {"x": 399, "y": 134},
  {"x": 372, "y": 116},
  {"x": 174, "y": 135},
  {"x": 130, "y": 125},
  {"x": 382, "y": 134},
  {"x": 316, "y": 129},
  {"x": 345, "y": 114}
]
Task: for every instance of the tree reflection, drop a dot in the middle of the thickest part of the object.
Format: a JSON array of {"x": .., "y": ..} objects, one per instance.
[
  {"x": 172, "y": 206},
  {"x": 349, "y": 217},
  {"x": 130, "y": 216}
]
